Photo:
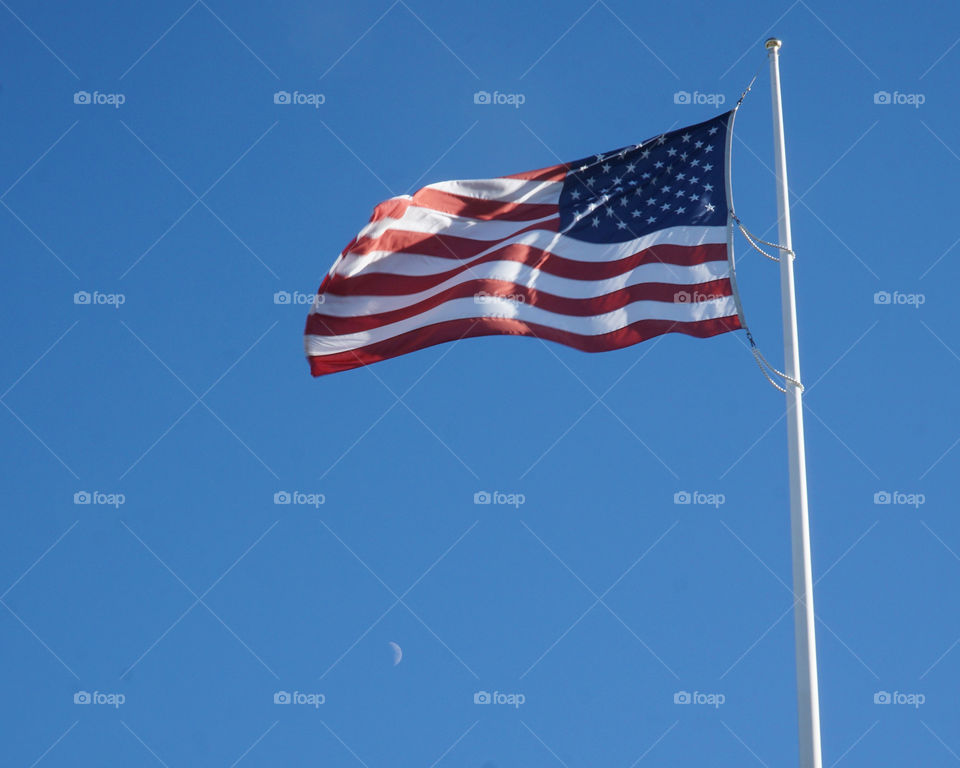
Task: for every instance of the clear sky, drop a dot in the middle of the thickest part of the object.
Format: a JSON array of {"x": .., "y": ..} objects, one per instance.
[{"x": 181, "y": 198}]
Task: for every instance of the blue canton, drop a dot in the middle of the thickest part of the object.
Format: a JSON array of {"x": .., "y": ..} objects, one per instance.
[{"x": 673, "y": 180}]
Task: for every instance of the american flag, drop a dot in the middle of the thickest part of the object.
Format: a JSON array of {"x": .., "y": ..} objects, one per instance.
[{"x": 597, "y": 254}]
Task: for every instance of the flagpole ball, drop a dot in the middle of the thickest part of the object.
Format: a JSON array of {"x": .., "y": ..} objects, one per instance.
[{"x": 773, "y": 44}]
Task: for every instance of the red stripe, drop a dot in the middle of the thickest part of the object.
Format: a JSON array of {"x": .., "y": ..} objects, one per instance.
[
  {"x": 479, "y": 208},
  {"x": 383, "y": 284},
  {"x": 332, "y": 325},
  {"x": 550, "y": 173},
  {"x": 438, "y": 244},
  {"x": 394, "y": 208},
  {"x": 452, "y": 330}
]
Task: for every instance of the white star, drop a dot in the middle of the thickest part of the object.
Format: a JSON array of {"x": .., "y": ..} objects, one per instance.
[
  {"x": 698, "y": 144},
  {"x": 583, "y": 167},
  {"x": 635, "y": 213},
  {"x": 681, "y": 176},
  {"x": 694, "y": 179},
  {"x": 694, "y": 197},
  {"x": 713, "y": 130},
  {"x": 621, "y": 225},
  {"x": 665, "y": 207},
  {"x": 685, "y": 137},
  {"x": 650, "y": 219},
  {"x": 645, "y": 176},
  {"x": 707, "y": 167},
  {"x": 590, "y": 182},
  {"x": 606, "y": 167},
  {"x": 665, "y": 188},
  {"x": 631, "y": 167},
  {"x": 575, "y": 195},
  {"x": 671, "y": 151},
  {"x": 599, "y": 157},
  {"x": 710, "y": 207},
  {"x": 609, "y": 211},
  {"x": 708, "y": 148},
  {"x": 683, "y": 155},
  {"x": 694, "y": 162},
  {"x": 708, "y": 187},
  {"x": 652, "y": 201},
  {"x": 617, "y": 180},
  {"x": 624, "y": 200},
  {"x": 645, "y": 154},
  {"x": 623, "y": 154},
  {"x": 661, "y": 140},
  {"x": 681, "y": 209},
  {"x": 679, "y": 193},
  {"x": 595, "y": 222},
  {"x": 658, "y": 164}
]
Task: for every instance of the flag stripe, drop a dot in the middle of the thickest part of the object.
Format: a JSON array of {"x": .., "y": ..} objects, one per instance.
[
  {"x": 663, "y": 263},
  {"x": 505, "y": 190},
  {"x": 454, "y": 330},
  {"x": 369, "y": 294},
  {"x": 459, "y": 309},
  {"x": 666, "y": 246},
  {"x": 350, "y": 320},
  {"x": 483, "y": 210},
  {"x": 423, "y": 221}
]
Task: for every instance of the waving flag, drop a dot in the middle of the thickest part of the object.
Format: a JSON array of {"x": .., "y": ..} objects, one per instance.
[{"x": 597, "y": 254}]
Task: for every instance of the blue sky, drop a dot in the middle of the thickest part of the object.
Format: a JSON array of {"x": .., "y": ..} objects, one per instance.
[{"x": 181, "y": 391}]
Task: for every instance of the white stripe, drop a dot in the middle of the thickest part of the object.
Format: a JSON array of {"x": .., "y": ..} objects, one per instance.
[
  {"x": 460, "y": 309},
  {"x": 506, "y": 190},
  {"x": 393, "y": 263},
  {"x": 431, "y": 222},
  {"x": 530, "y": 277}
]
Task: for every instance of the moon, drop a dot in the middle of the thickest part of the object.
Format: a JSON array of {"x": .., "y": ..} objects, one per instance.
[{"x": 397, "y": 652}]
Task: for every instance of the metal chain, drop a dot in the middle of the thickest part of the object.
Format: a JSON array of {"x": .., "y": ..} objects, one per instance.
[
  {"x": 753, "y": 240},
  {"x": 764, "y": 365}
]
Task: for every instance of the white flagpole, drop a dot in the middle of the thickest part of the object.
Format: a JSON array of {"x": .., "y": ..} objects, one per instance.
[{"x": 808, "y": 701}]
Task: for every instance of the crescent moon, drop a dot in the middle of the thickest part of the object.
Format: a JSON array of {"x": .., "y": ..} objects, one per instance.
[{"x": 397, "y": 653}]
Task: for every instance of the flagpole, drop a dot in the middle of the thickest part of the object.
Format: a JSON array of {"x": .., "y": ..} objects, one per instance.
[{"x": 808, "y": 701}]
